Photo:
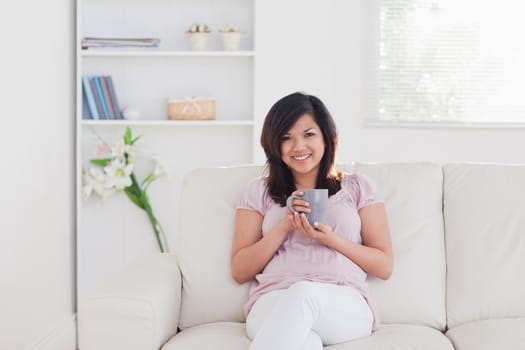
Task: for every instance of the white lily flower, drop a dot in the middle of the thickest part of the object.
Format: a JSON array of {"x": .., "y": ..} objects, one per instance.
[
  {"x": 133, "y": 152},
  {"x": 86, "y": 190},
  {"x": 97, "y": 174},
  {"x": 119, "y": 149},
  {"x": 94, "y": 181},
  {"x": 160, "y": 167},
  {"x": 118, "y": 174}
]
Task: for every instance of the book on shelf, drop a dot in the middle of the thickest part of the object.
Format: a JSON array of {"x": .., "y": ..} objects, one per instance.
[
  {"x": 96, "y": 98},
  {"x": 86, "y": 87},
  {"x": 92, "y": 42},
  {"x": 105, "y": 111},
  {"x": 105, "y": 93},
  {"x": 113, "y": 97},
  {"x": 85, "y": 107},
  {"x": 99, "y": 98}
]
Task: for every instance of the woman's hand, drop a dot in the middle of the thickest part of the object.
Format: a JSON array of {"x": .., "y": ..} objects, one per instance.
[
  {"x": 287, "y": 221},
  {"x": 318, "y": 231}
]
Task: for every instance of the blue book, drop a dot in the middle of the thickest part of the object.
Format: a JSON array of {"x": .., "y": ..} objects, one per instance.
[
  {"x": 94, "y": 91},
  {"x": 113, "y": 97},
  {"x": 85, "y": 108},
  {"x": 90, "y": 99},
  {"x": 101, "y": 95}
]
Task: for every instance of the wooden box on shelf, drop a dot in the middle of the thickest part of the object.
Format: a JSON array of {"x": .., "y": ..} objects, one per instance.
[{"x": 191, "y": 108}]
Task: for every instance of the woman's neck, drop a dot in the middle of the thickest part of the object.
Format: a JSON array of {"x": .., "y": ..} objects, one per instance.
[{"x": 305, "y": 181}]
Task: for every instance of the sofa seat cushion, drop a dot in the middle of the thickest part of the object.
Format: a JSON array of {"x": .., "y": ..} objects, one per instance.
[
  {"x": 210, "y": 336},
  {"x": 232, "y": 336},
  {"x": 508, "y": 334},
  {"x": 399, "y": 336}
]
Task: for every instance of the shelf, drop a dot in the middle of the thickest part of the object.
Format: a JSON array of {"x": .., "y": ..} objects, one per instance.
[
  {"x": 144, "y": 79},
  {"x": 168, "y": 122},
  {"x": 164, "y": 53}
]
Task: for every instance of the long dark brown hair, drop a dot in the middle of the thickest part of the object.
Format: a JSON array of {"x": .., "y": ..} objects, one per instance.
[{"x": 279, "y": 120}]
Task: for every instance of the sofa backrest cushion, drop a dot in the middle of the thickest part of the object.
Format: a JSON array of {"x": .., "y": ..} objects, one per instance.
[
  {"x": 485, "y": 238},
  {"x": 415, "y": 293},
  {"x": 204, "y": 240},
  {"x": 413, "y": 198}
]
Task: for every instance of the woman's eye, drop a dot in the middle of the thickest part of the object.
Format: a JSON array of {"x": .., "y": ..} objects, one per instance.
[
  {"x": 285, "y": 138},
  {"x": 308, "y": 134}
]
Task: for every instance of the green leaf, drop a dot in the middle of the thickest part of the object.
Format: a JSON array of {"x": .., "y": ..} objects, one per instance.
[
  {"x": 127, "y": 136},
  {"x": 134, "y": 198},
  {"x": 135, "y": 185},
  {"x": 144, "y": 198},
  {"x": 135, "y": 139},
  {"x": 100, "y": 162}
]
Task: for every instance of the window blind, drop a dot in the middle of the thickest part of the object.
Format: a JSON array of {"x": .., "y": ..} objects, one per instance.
[{"x": 452, "y": 61}]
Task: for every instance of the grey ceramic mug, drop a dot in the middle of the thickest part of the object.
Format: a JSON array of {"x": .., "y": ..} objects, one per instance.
[{"x": 318, "y": 199}]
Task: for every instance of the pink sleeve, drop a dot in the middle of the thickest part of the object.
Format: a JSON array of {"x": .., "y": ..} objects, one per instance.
[
  {"x": 254, "y": 196},
  {"x": 365, "y": 191}
]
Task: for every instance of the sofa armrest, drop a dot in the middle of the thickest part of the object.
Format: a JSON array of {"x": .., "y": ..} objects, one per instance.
[{"x": 137, "y": 309}]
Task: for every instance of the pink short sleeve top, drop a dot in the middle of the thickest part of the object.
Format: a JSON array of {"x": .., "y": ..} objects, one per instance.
[{"x": 300, "y": 258}]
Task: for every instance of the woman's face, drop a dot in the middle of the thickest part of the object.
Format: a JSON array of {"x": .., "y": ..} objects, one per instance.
[{"x": 302, "y": 147}]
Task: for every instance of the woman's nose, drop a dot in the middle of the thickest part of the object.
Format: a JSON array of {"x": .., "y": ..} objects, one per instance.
[{"x": 298, "y": 145}]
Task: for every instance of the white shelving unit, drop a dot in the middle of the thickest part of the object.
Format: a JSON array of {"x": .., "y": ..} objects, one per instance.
[
  {"x": 164, "y": 53},
  {"x": 113, "y": 233},
  {"x": 171, "y": 123}
]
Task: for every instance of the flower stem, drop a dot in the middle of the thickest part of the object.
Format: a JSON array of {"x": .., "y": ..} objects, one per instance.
[
  {"x": 139, "y": 197},
  {"x": 153, "y": 220}
]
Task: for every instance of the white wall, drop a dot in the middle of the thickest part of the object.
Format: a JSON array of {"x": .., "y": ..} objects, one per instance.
[
  {"x": 321, "y": 47},
  {"x": 36, "y": 153}
]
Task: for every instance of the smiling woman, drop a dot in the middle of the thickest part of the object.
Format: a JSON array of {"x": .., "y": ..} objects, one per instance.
[
  {"x": 296, "y": 127},
  {"x": 312, "y": 276}
]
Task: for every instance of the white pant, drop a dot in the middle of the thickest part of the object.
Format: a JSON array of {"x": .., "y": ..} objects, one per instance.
[{"x": 307, "y": 315}]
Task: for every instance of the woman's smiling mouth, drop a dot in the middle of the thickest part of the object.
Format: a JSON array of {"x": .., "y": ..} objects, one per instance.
[{"x": 302, "y": 157}]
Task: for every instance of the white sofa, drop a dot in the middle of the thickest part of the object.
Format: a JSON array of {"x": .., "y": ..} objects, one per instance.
[{"x": 458, "y": 233}]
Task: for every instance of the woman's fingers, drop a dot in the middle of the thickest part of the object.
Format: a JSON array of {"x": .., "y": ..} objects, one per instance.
[
  {"x": 305, "y": 222},
  {"x": 301, "y": 205},
  {"x": 304, "y": 225},
  {"x": 297, "y": 220},
  {"x": 321, "y": 227},
  {"x": 300, "y": 223}
]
